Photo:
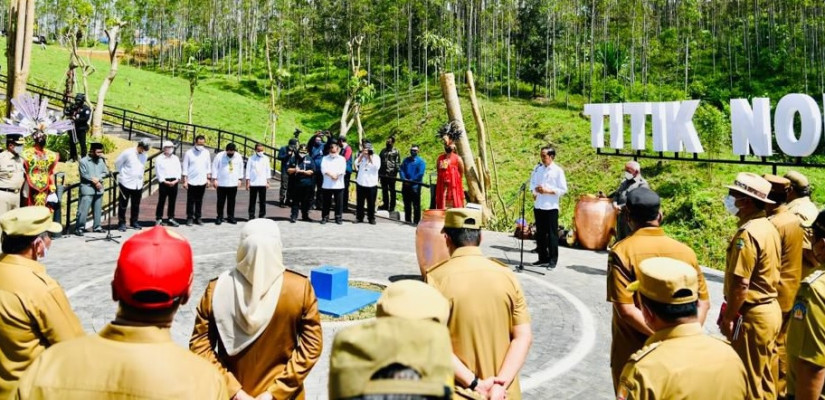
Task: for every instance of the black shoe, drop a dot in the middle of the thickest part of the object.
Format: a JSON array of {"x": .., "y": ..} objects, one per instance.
[
  {"x": 198, "y": 222},
  {"x": 251, "y": 217},
  {"x": 281, "y": 204},
  {"x": 293, "y": 220},
  {"x": 339, "y": 222},
  {"x": 307, "y": 219},
  {"x": 358, "y": 221},
  {"x": 551, "y": 265},
  {"x": 372, "y": 222},
  {"x": 121, "y": 227},
  {"x": 98, "y": 230},
  {"x": 324, "y": 221},
  {"x": 383, "y": 208},
  {"x": 78, "y": 232},
  {"x": 135, "y": 226},
  {"x": 536, "y": 250},
  {"x": 172, "y": 222},
  {"x": 540, "y": 262},
  {"x": 218, "y": 221},
  {"x": 189, "y": 221},
  {"x": 159, "y": 222},
  {"x": 231, "y": 221}
]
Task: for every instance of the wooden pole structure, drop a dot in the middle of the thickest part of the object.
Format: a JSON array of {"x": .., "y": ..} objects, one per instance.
[
  {"x": 465, "y": 151},
  {"x": 482, "y": 131},
  {"x": 19, "y": 48}
]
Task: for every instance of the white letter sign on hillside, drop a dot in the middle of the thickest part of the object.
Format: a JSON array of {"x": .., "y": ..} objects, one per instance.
[
  {"x": 596, "y": 113},
  {"x": 638, "y": 117},
  {"x": 751, "y": 128},
  {"x": 811, "y": 123}
]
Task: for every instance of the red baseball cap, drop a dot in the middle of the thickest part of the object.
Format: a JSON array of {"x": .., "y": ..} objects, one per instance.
[{"x": 154, "y": 268}]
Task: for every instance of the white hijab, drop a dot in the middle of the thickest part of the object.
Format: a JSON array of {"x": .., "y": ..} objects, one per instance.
[{"x": 245, "y": 297}]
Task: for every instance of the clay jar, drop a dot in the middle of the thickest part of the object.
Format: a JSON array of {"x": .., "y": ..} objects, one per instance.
[
  {"x": 430, "y": 247},
  {"x": 595, "y": 218}
]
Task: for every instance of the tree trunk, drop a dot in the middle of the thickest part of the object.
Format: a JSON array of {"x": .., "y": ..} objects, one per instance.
[
  {"x": 272, "y": 94},
  {"x": 113, "y": 34},
  {"x": 21, "y": 29},
  {"x": 471, "y": 174},
  {"x": 482, "y": 131}
]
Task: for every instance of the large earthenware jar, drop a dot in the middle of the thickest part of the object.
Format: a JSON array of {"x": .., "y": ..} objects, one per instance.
[
  {"x": 430, "y": 247},
  {"x": 595, "y": 219}
]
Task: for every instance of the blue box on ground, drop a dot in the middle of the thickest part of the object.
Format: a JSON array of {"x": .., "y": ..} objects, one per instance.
[
  {"x": 355, "y": 300},
  {"x": 329, "y": 282}
]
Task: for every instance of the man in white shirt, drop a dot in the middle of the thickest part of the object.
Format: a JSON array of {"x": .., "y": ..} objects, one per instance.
[
  {"x": 548, "y": 184},
  {"x": 227, "y": 175},
  {"x": 129, "y": 165},
  {"x": 333, "y": 168},
  {"x": 167, "y": 170},
  {"x": 366, "y": 190},
  {"x": 196, "y": 172},
  {"x": 258, "y": 172}
]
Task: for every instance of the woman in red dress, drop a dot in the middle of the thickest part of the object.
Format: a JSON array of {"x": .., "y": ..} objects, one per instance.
[{"x": 449, "y": 189}]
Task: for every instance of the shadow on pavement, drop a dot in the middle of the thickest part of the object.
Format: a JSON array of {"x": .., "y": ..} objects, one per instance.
[
  {"x": 587, "y": 270},
  {"x": 396, "y": 278}
]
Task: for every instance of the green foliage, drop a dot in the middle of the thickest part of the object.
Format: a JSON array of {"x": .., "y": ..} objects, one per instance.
[
  {"x": 60, "y": 144},
  {"x": 613, "y": 58}
]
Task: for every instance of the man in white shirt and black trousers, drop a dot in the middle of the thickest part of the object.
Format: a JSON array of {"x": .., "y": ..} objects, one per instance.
[
  {"x": 258, "y": 172},
  {"x": 548, "y": 184},
  {"x": 196, "y": 171},
  {"x": 227, "y": 177},
  {"x": 367, "y": 165},
  {"x": 167, "y": 170},
  {"x": 333, "y": 168},
  {"x": 129, "y": 165}
]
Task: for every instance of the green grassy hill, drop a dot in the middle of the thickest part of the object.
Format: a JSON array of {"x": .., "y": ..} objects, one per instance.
[{"x": 692, "y": 192}]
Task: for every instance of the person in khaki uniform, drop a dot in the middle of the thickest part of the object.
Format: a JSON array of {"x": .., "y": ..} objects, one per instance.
[
  {"x": 11, "y": 174},
  {"x": 133, "y": 357},
  {"x": 34, "y": 311},
  {"x": 800, "y": 204},
  {"x": 791, "y": 236},
  {"x": 489, "y": 322},
  {"x": 806, "y": 330},
  {"x": 751, "y": 279},
  {"x": 679, "y": 361},
  {"x": 647, "y": 240},
  {"x": 259, "y": 323}
]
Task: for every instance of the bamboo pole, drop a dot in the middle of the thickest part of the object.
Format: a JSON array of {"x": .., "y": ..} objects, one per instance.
[{"x": 482, "y": 131}]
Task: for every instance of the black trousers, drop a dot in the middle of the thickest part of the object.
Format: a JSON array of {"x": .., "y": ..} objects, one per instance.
[
  {"x": 547, "y": 235},
  {"x": 365, "y": 194},
  {"x": 124, "y": 197},
  {"x": 167, "y": 194},
  {"x": 194, "y": 201},
  {"x": 412, "y": 200},
  {"x": 226, "y": 195},
  {"x": 284, "y": 192},
  {"x": 388, "y": 193},
  {"x": 301, "y": 198},
  {"x": 81, "y": 140},
  {"x": 338, "y": 195},
  {"x": 319, "y": 181},
  {"x": 346, "y": 189},
  {"x": 259, "y": 193}
]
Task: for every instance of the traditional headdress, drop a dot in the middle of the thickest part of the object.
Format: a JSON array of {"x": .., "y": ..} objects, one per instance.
[
  {"x": 30, "y": 116},
  {"x": 452, "y": 130}
]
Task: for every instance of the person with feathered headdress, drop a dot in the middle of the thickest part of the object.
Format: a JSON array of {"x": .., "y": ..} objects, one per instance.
[
  {"x": 449, "y": 188},
  {"x": 31, "y": 117}
]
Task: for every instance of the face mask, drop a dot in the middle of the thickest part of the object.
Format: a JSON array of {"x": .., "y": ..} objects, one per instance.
[
  {"x": 259, "y": 153},
  {"x": 198, "y": 147},
  {"x": 413, "y": 153},
  {"x": 41, "y": 258},
  {"x": 628, "y": 175},
  {"x": 230, "y": 155},
  {"x": 168, "y": 152},
  {"x": 18, "y": 150},
  {"x": 730, "y": 205}
]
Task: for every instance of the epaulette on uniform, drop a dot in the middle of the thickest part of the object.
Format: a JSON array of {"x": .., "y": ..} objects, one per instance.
[
  {"x": 644, "y": 351},
  {"x": 813, "y": 276}
]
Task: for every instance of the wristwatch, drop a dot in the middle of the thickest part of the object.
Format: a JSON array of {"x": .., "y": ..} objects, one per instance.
[{"x": 474, "y": 383}]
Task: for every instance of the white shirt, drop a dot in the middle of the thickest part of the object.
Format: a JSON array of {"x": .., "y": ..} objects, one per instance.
[
  {"x": 550, "y": 178},
  {"x": 258, "y": 170},
  {"x": 167, "y": 167},
  {"x": 334, "y": 165},
  {"x": 196, "y": 166},
  {"x": 129, "y": 166},
  {"x": 368, "y": 171},
  {"x": 228, "y": 171}
]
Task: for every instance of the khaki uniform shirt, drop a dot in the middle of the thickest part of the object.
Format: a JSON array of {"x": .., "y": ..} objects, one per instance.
[
  {"x": 806, "y": 210},
  {"x": 34, "y": 314},
  {"x": 754, "y": 254},
  {"x": 806, "y": 329},
  {"x": 683, "y": 363},
  {"x": 277, "y": 361},
  {"x": 11, "y": 171},
  {"x": 791, "y": 236},
  {"x": 486, "y": 302},
  {"x": 121, "y": 363},
  {"x": 622, "y": 264}
]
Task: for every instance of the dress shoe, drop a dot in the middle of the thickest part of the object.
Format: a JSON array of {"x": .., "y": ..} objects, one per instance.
[
  {"x": 135, "y": 226},
  {"x": 121, "y": 227},
  {"x": 231, "y": 221},
  {"x": 218, "y": 221},
  {"x": 159, "y": 222},
  {"x": 78, "y": 232},
  {"x": 189, "y": 221},
  {"x": 358, "y": 221},
  {"x": 307, "y": 219},
  {"x": 372, "y": 222},
  {"x": 198, "y": 222},
  {"x": 339, "y": 222},
  {"x": 292, "y": 220},
  {"x": 172, "y": 222},
  {"x": 540, "y": 262},
  {"x": 98, "y": 230},
  {"x": 324, "y": 221},
  {"x": 551, "y": 265}
]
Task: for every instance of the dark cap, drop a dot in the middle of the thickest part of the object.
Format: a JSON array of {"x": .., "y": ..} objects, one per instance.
[
  {"x": 293, "y": 141},
  {"x": 643, "y": 204},
  {"x": 14, "y": 139},
  {"x": 819, "y": 225},
  {"x": 96, "y": 146},
  {"x": 231, "y": 146},
  {"x": 342, "y": 138}
]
